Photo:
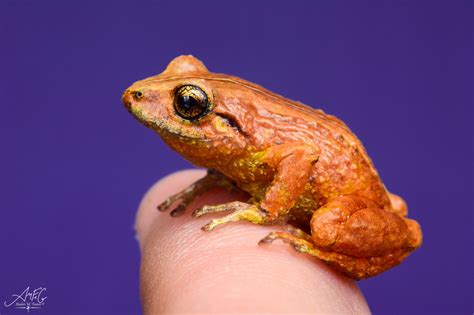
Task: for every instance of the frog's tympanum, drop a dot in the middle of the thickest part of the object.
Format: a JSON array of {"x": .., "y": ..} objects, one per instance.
[{"x": 304, "y": 169}]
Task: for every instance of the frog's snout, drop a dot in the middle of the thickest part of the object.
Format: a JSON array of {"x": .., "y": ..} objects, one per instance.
[
  {"x": 127, "y": 98},
  {"x": 138, "y": 104},
  {"x": 132, "y": 96}
]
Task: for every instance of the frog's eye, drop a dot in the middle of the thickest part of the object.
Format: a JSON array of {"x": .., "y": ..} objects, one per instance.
[{"x": 191, "y": 102}]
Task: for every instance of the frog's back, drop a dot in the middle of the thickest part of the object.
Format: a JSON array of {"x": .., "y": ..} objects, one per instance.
[{"x": 343, "y": 166}]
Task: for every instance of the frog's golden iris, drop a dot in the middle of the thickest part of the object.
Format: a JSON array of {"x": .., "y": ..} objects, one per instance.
[{"x": 191, "y": 102}]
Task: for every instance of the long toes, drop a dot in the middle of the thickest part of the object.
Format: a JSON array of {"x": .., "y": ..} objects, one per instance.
[
  {"x": 268, "y": 239},
  {"x": 210, "y": 209},
  {"x": 199, "y": 212},
  {"x": 298, "y": 232},
  {"x": 210, "y": 226},
  {"x": 165, "y": 205}
]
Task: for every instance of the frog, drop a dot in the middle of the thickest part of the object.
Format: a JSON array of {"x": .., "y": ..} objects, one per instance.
[{"x": 304, "y": 170}]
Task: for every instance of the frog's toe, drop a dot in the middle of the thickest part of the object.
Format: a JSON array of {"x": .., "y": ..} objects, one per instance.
[
  {"x": 269, "y": 238},
  {"x": 236, "y": 205},
  {"x": 165, "y": 205},
  {"x": 182, "y": 197},
  {"x": 302, "y": 245},
  {"x": 298, "y": 233},
  {"x": 186, "y": 196},
  {"x": 216, "y": 222},
  {"x": 211, "y": 225},
  {"x": 242, "y": 212},
  {"x": 199, "y": 212},
  {"x": 179, "y": 209}
]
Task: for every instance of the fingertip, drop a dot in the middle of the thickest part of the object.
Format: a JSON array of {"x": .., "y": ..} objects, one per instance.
[
  {"x": 169, "y": 185},
  {"x": 186, "y": 270}
]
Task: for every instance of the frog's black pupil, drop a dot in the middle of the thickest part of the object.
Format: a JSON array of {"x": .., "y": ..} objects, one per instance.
[
  {"x": 188, "y": 102},
  {"x": 138, "y": 94},
  {"x": 191, "y": 102}
]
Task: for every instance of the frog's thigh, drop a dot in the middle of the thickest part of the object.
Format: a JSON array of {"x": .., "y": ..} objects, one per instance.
[
  {"x": 213, "y": 179},
  {"x": 305, "y": 245},
  {"x": 361, "y": 240}
]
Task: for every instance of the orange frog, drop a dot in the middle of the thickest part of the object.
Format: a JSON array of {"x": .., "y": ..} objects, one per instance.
[{"x": 303, "y": 169}]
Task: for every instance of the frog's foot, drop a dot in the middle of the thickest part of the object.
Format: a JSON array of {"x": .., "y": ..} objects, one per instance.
[
  {"x": 242, "y": 212},
  {"x": 300, "y": 242},
  {"x": 235, "y": 205},
  {"x": 353, "y": 236},
  {"x": 298, "y": 233},
  {"x": 212, "y": 180},
  {"x": 354, "y": 267},
  {"x": 185, "y": 197}
]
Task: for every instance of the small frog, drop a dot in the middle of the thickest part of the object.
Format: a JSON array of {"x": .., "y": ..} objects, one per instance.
[{"x": 304, "y": 169}]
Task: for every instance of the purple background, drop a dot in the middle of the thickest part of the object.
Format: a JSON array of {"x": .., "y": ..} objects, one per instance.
[{"x": 74, "y": 164}]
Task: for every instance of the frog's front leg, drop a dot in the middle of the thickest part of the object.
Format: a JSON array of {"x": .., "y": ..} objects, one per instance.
[
  {"x": 292, "y": 164},
  {"x": 241, "y": 212},
  {"x": 213, "y": 179}
]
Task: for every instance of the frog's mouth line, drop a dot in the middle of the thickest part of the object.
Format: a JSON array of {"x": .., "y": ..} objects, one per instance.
[
  {"x": 160, "y": 127},
  {"x": 165, "y": 129}
]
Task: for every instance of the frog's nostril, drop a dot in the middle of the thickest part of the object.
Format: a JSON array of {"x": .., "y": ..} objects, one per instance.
[{"x": 138, "y": 94}]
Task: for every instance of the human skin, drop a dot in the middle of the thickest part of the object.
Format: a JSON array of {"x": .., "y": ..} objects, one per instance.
[{"x": 186, "y": 270}]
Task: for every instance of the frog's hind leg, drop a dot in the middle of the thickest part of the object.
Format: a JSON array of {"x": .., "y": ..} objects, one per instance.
[
  {"x": 301, "y": 242},
  {"x": 212, "y": 179},
  {"x": 360, "y": 239},
  {"x": 356, "y": 268},
  {"x": 355, "y": 237}
]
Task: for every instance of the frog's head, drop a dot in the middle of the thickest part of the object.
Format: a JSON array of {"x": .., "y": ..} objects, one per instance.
[{"x": 186, "y": 105}]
